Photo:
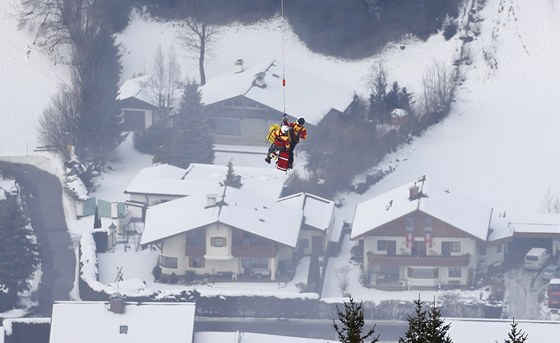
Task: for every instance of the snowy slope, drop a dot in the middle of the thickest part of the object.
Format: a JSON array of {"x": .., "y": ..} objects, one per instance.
[
  {"x": 500, "y": 143},
  {"x": 28, "y": 79}
]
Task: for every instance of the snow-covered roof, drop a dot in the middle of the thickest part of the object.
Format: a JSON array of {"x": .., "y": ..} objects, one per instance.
[
  {"x": 199, "y": 178},
  {"x": 306, "y": 95},
  {"x": 88, "y": 321},
  {"x": 143, "y": 89},
  {"x": 449, "y": 206},
  {"x": 165, "y": 179},
  {"x": 237, "y": 208},
  {"x": 506, "y": 226},
  {"x": 317, "y": 211},
  {"x": 137, "y": 88}
]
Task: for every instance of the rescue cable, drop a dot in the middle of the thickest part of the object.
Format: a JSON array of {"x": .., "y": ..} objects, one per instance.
[{"x": 283, "y": 68}]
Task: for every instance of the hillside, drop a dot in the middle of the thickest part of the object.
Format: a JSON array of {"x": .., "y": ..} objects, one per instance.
[{"x": 500, "y": 143}]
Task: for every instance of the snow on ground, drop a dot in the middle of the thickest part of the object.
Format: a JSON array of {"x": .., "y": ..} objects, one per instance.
[{"x": 28, "y": 80}]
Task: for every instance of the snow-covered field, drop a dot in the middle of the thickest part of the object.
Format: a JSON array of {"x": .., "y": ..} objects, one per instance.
[{"x": 500, "y": 143}]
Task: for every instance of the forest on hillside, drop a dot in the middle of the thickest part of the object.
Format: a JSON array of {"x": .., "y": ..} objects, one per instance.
[{"x": 344, "y": 28}]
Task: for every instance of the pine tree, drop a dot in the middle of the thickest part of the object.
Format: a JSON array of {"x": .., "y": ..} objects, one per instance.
[
  {"x": 426, "y": 326},
  {"x": 19, "y": 255},
  {"x": 436, "y": 331},
  {"x": 352, "y": 324},
  {"x": 516, "y": 335},
  {"x": 190, "y": 140},
  {"x": 417, "y": 325},
  {"x": 232, "y": 179},
  {"x": 100, "y": 121}
]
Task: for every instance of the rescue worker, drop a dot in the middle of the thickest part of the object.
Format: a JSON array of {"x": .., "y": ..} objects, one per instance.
[
  {"x": 281, "y": 142},
  {"x": 297, "y": 132}
]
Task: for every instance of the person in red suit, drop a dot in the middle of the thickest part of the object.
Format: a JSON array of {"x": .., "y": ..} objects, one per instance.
[
  {"x": 282, "y": 142},
  {"x": 297, "y": 132}
]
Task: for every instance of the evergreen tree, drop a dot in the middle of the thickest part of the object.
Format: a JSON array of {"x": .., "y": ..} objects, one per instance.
[
  {"x": 352, "y": 324},
  {"x": 417, "y": 325},
  {"x": 96, "y": 77},
  {"x": 232, "y": 179},
  {"x": 19, "y": 254},
  {"x": 426, "y": 326},
  {"x": 190, "y": 140},
  {"x": 516, "y": 335},
  {"x": 436, "y": 331}
]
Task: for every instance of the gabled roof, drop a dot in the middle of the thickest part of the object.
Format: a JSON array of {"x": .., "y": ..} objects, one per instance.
[
  {"x": 317, "y": 212},
  {"x": 143, "y": 89},
  {"x": 89, "y": 321},
  {"x": 137, "y": 88},
  {"x": 306, "y": 95},
  {"x": 236, "y": 208},
  {"x": 450, "y": 206},
  {"x": 166, "y": 179}
]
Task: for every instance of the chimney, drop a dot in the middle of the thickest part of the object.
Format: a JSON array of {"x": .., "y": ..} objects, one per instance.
[
  {"x": 211, "y": 200},
  {"x": 116, "y": 303},
  {"x": 239, "y": 66},
  {"x": 259, "y": 80},
  {"x": 413, "y": 192}
]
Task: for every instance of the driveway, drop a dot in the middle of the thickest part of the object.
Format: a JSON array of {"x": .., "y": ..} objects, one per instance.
[
  {"x": 525, "y": 291},
  {"x": 42, "y": 195}
]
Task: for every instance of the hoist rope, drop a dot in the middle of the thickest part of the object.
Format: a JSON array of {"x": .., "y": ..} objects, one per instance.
[{"x": 283, "y": 58}]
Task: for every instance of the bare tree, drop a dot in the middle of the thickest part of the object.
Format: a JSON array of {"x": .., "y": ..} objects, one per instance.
[
  {"x": 550, "y": 202},
  {"x": 197, "y": 37},
  {"x": 439, "y": 90},
  {"x": 56, "y": 22},
  {"x": 166, "y": 78},
  {"x": 57, "y": 125}
]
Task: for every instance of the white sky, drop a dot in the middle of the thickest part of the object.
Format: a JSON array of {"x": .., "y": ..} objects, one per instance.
[{"x": 500, "y": 143}]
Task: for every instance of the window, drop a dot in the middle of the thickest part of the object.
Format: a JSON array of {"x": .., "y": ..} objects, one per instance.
[
  {"x": 423, "y": 273},
  {"x": 226, "y": 126},
  {"x": 409, "y": 223},
  {"x": 428, "y": 223},
  {"x": 482, "y": 250},
  {"x": 448, "y": 247},
  {"x": 381, "y": 245},
  {"x": 390, "y": 246},
  {"x": 196, "y": 262},
  {"x": 123, "y": 329},
  {"x": 455, "y": 271},
  {"x": 304, "y": 243},
  {"x": 249, "y": 240},
  {"x": 218, "y": 242},
  {"x": 168, "y": 262},
  {"x": 499, "y": 248}
]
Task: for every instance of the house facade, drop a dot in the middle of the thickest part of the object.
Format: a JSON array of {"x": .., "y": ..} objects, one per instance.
[
  {"x": 241, "y": 104},
  {"x": 318, "y": 222},
  {"x": 232, "y": 234},
  {"x": 423, "y": 235}
]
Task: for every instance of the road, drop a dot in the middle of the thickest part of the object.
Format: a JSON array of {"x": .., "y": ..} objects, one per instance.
[
  {"x": 42, "y": 194},
  {"x": 389, "y": 331}
]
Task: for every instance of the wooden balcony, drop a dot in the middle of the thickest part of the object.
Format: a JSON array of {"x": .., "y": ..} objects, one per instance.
[
  {"x": 195, "y": 250},
  {"x": 254, "y": 251},
  {"x": 419, "y": 261}
]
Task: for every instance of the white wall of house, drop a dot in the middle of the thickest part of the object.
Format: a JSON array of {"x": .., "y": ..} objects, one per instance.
[
  {"x": 218, "y": 243},
  {"x": 173, "y": 249},
  {"x": 305, "y": 239}
]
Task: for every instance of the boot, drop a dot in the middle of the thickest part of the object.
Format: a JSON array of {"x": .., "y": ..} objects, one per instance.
[{"x": 267, "y": 159}]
